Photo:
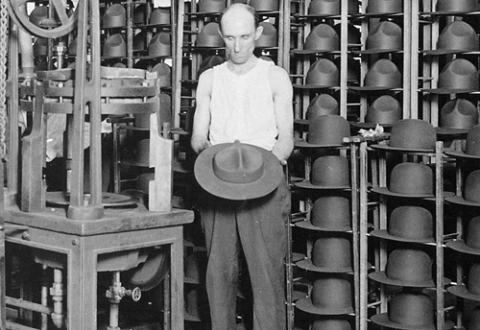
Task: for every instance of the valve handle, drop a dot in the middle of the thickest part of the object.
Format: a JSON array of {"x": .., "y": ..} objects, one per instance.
[{"x": 135, "y": 294}]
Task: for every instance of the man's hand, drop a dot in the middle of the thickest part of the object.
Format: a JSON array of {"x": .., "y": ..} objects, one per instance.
[
  {"x": 199, "y": 143},
  {"x": 280, "y": 153}
]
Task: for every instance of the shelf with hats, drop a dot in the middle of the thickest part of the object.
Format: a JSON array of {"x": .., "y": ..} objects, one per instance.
[{"x": 409, "y": 233}]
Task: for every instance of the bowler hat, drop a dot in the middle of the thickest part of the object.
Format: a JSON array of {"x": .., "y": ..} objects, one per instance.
[
  {"x": 331, "y": 324},
  {"x": 407, "y": 179},
  {"x": 115, "y": 16},
  {"x": 411, "y": 135},
  {"x": 406, "y": 267},
  {"x": 115, "y": 46},
  {"x": 384, "y": 6},
  {"x": 140, "y": 42},
  {"x": 325, "y": 131},
  {"x": 385, "y": 111},
  {"x": 329, "y": 255},
  {"x": 210, "y": 6},
  {"x": 265, "y": 5},
  {"x": 458, "y": 76},
  {"x": 472, "y": 145},
  {"x": 322, "y": 104},
  {"x": 164, "y": 73},
  {"x": 328, "y": 172},
  {"x": 195, "y": 267},
  {"x": 471, "y": 289},
  {"x": 382, "y": 75},
  {"x": 471, "y": 191},
  {"x": 408, "y": 223},
  {"x": 329, "y": 296},
  {"x": 471, "y": 242},
  {"x": 160, "y": 45},
  {"x": 323, "y": 73},
  {"x": 331, "y": 212},
  {"x": 322, "y": 38},
  {"x": 456, "y": 37},
  {"x": 142, "y": 154},
  {"x": 209, "y": 62},
  {"x": 40, "y": 47},
  {"x": 160, "y": 16},
  {"x": 269, "y": 36},
  {"x": 457, "y": 6},
  {"x": 209, "y": 36},
  {"x": 384, "y": 37},
  {"x": 457, "y": 116},
  {"x": 238, "y": 171}
]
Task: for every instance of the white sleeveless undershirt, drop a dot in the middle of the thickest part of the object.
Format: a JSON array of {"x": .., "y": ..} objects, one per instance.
[{"x": 246, "y": 116}]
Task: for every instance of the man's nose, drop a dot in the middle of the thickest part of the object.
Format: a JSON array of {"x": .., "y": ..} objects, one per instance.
[{"x": 236, "y": 46}]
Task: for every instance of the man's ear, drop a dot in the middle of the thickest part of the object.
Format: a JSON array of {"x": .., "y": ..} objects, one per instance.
[{"x": 258, "y": 32}]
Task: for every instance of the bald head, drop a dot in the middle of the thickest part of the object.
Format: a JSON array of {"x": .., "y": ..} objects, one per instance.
[{"x": 240, "y": 11}]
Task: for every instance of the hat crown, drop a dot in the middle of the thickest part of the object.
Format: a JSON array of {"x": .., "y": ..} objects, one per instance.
[
  {"x": 457, "y": 5},
  {"x": 384, "y": 73},
  {"x": 385, "y": 6},
  {"x": 411, "y": 309},
  {"x": 331, "y": 212},
  {"x": 160, "y": 15},
  {"x": 328, "y": 130},
  {"x": 411, "y": 222},
  {"x": 384, "y": 110},
  {"x": 473, "y": 230},
  {"x": 269, "y": 36},
  {"x": 322, "y": 37},
  {"x": 209, "y": 36},
  {"x": 385, "y": 35},
  {"x": 472, "y": 194},
  {"x": 332, "y": 293},
  {"x": 211, "y": 6},
  {"x": 160, "y": 45},
  {"x": 409, "y": 265},
  {"x": 411, "y": 179},
  {"x": 324, "y": 7},
  {"x": 472, "y": 145},
  {"x": 459, "y": 74},
  {"x": 330, "y": 171},
  {"x": 115, "y": 46},
  {"x": 323, "y": 72},
  {"x": 333, "y": 252},
  {"x": 458, "y": 35},
  {"x": 332, "y": 324},
  {"x": 413, "y": 134},
  {"x": 473, "y": 281},
  {"x": 238, "y": 164},
  {"x": 322, "y": 104},
  {"x": 459, "y": 114}
]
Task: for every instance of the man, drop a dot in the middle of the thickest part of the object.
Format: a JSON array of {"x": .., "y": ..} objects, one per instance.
[{"x": 250, "y": 100}]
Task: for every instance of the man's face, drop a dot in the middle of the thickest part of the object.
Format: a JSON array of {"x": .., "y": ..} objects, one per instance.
[{"x": 239, "y": 34}]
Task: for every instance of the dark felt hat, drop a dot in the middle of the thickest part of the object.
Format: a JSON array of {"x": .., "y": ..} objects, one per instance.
[
  {"x": 160, "y": 16},
  {"x": 265, "y": 5},
  {"x": 457, "y": 116},
  {"x": 413, "y": 180},
  {"x": 408, "y": 223},
  {"x": 456, "y": 37},
  {"x": 384, "y": 6},
  {"x": 160, "y": 45},
  {"x": 329, "y": 213},
  {"x": 269, "y": 36},
  {"x": 471, "y": 191},
  {"x": 384, "y": 37},
  {"x": 115, "y": 16},
  {"x": 411, "y": 135},
  {"x": 409, "y": 311},
  {"x": 457, "y": 6},
  {"x": 329, "y": 255},
  {"x": 329, "y": 296},
  {"x": 322, "y": 104},
  {"x": 209, "y": 62},
  {"x": 325, "y": 131},
  {"x": 458, "y": 76},
  {"x": 324, "y": 7},
  {"x": 164, "y": 72},
  {"x": 471, "y": 243},
  {"x": 471, "y": 289},
  {"x": 323, "y": 73},
  {"x": 383, "y": 75},
  {"x": 211, "y": 6},
  {"x": 238, "y": 171},
  {"x": 209, "y": 36},
  {"x": 385, "y": 111},
  {"x": 406, "y": 267},
  {"x": 472, "y": 145},
  {"x": 115, "y": 46},
  {"x": 322, "y": 38},
  {"x": 328, "y": 172},
  {"x": 331, "y": 324},
  {"x": 142, "y": 154}
]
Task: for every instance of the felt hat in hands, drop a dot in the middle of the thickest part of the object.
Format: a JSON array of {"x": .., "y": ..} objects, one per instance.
[
  {"x": 325, "y": 131},
  {"x": 472, "y": 145},
  {"x": 457, "y": 6},
  {"x": 471, "y": 289},
  {"x": 456, "y": 37},
  {"x": 329, "y": 255},
  {"x": 382, "y": 75},
  {"x": 322, "y": 104},
  {"x": 457, "y": 116},
  {"x": 385, "y": 111},
  {"x": 210, "y": 6},
  {"x": 458, "y": 76},
  {"x": 329, "y": 296},
  {"x": 323, "y": 73},
  {"x": 115, "y": 46},
  {"x": 322, "y": 38},
  {"x": 265, "y": 5},
  {"x": 471, "y": 191},
  {"x": 410, "y": 180},
  {"x": 331, "y": 324},
  {"x": 160, "y": 16},
  {"x": 238, "y": 171},
  {"x": 411, "y": 135},
  {"x": 209, "y": 36},
  {"x": 384, "y": 6},
  {"x": 115, "y": 16},
  {"x": 160, "y": 45},
  {"x": 384, "y": 37},
  {"x": 269, "y": 36},
  {"x": 328, "y": 172},
  {"x": 408, "y": 223},
  {"x": 470, "y": 244},
  {"x": 329, "y": 213}
]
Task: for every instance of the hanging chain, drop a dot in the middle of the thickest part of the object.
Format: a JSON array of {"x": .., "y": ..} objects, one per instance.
[{"x": 3, "y": 74}]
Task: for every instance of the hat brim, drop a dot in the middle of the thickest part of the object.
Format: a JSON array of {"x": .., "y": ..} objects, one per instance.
[
  {"x": 301, "y": 121},
  {"x": 462, "y": 247},
  {"x": 445, "y": 51},
  {"x": 306, "y": 305},
  {"x": 451, "y": 131},
  {"x": 382, "y": 278},
  {"x": 369, "y": 125},
  {"x": 133, "y": 162},
  {"x": 313, "y": 51},
  {"x": 396, "y": 14},
  {"x": 191, "y": 318},
  {"x": 304, "y": 144},
  {"x": 386, "y": 191},
  {"x": 452, "y": 13},
  {"x": 459, "y": 200},
  {"x": 383, "y": 320},
  {"x": 389, "y": 148},
  {"x": 308, "y": 265},
  {"x": 308, "y": 185},
  {"x": 449, "y": 90},
  {"x": 373, "y": 88},
  {"x": 377, "y": 51},
  {"x": 206, "y": 178},
  {"x": 386, "y": 235},
  {"x": 462, "y": 292},
  {"x": 460, "y": 154},
  {"x": 307, "y": 224},
  {"x": 310, "y": 87}
]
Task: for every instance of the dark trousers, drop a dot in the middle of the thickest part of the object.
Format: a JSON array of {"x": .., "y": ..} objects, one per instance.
[{"x": 258, "y": 227}]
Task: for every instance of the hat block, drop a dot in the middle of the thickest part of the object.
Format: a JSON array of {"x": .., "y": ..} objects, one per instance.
[
  {"x": 385, "y": 110},
  {"x": 269, "y": 36},
  {"x": 331, "y": 324},
  {"x": 209, "y": 36},
  {"x": 331, "y": 213},
  {"x": 211, "y": 6},
  {"x": 458, "y": 114},
  {"x": 265, "y": 5},
  {"x": 472, "y": 145},
  {"x": 323, "y": 73},
  {"x": 324, "y": 7},
  {"x": 408, "y": 311},
  {"x": 329, "y": 255},
  {"x": 385, "y": 36},
  {"x": 115, "y": 46},
  {"x": 457, "y": 6},
  {"x": 160, "y": 16},
  {"x": 384, "y": 6},
  {"x": 383, "y": 74},
  {"x": 325, "y": 131},
  {"x": 470, "y": 290},
  {"x": 160, "y": 45},
  {"x": 115, "y": 16},
  {"x": 322, "y": 38},
  {"x": 456, "y": 37},
  {"x": 458, "y": 76},
  {"x": 411, "y": 135}
]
